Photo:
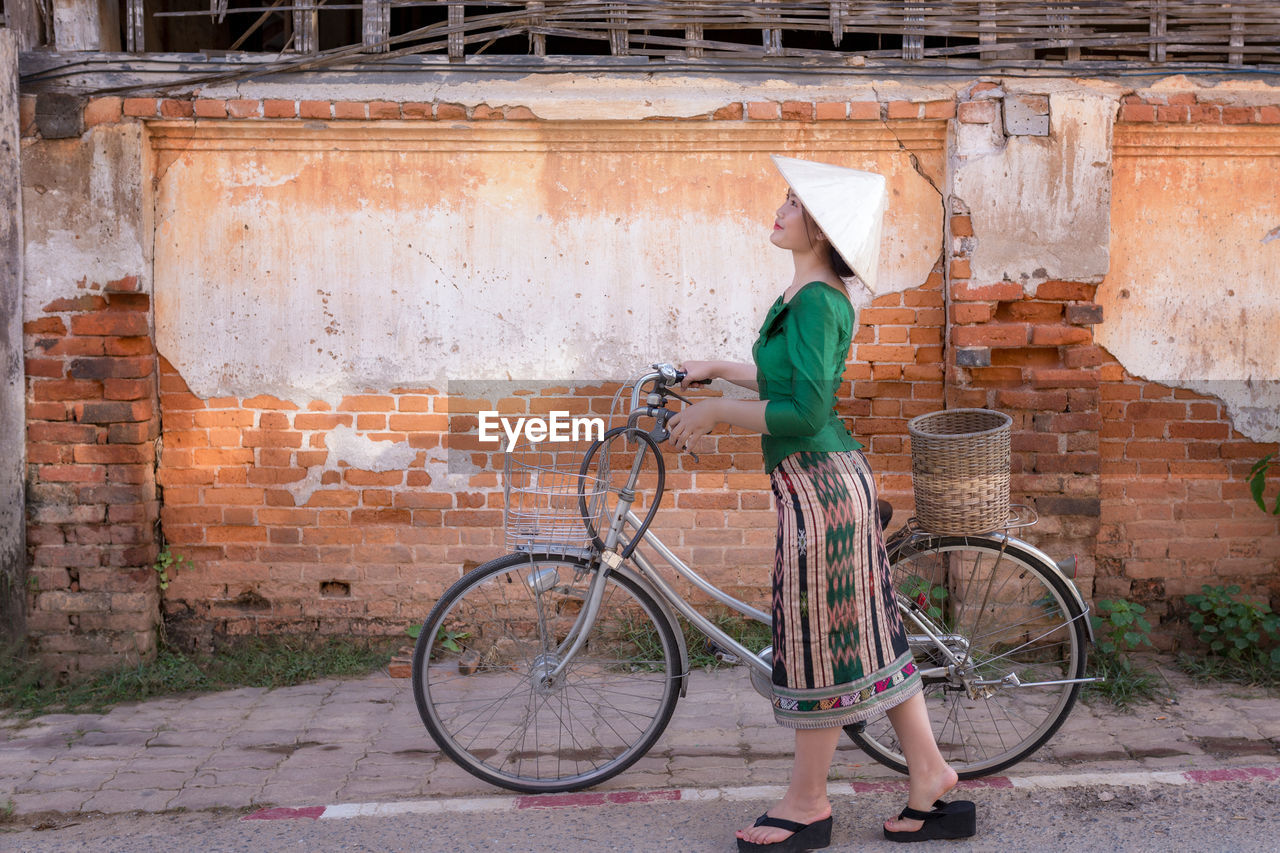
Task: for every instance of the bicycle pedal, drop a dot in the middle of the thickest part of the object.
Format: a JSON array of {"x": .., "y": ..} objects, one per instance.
[{"x": 722, "y": 655}]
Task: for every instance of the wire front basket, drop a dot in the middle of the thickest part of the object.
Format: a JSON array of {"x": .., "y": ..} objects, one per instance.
[{"x": 545, "y": 496}]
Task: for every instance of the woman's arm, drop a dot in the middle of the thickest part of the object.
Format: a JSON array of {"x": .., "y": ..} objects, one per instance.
[
  {"x": 742, "y": 374},
  {"x": 699, "y": 419}
]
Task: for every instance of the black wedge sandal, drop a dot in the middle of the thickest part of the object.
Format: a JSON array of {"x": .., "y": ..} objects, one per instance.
[
  {"x": 947, "y": 821},
  {"x": 804, "y": 836}
]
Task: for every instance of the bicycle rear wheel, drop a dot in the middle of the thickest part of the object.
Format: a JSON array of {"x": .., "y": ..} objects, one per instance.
[
  {"x": 481, "y": 674},
  {"x": 1017, "y": 629}
]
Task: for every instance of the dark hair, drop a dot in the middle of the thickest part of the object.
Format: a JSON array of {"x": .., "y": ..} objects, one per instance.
[{"x": 838, "y": 264}]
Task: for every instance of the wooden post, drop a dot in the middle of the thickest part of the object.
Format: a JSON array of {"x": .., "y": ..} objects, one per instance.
[
  {"x": 22, "y": 18},
  {"x": 1237, "y": 39},
  {"x": 838, "y": 10},
  {"x": 13, "y": 403},
  {"x": 538, "y": 41},
  {"x": 693, "y": 32},
  {"x": 135, "y": 27},
  {"x": 1159, "y": 27},
  {"x": 619, "y": 43},
  {"x": 376, "y": 16},
  {"x": 913, "y": 41},
  {"x": 306, "y": 26},
  {"x": 457, "y": 44}
]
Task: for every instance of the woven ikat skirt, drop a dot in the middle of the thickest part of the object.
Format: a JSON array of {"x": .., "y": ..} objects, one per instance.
[{"x": 840, "y": 651}]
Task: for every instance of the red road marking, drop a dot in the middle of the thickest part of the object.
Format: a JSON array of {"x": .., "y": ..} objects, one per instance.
[
  {"x": 312, "y": 812},
  {"x": 565, "y": 801}
]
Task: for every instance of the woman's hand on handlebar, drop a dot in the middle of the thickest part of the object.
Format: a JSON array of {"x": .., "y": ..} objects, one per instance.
[
  {"x": 692, "y": 422},
  {"x": 698, "y": 373}
]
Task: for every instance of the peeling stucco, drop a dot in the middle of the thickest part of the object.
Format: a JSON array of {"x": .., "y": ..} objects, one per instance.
[
  {"x": 349, "y": 448},
  {"x": 86, "y": 214},
  {"x": 567, "y": 251},
  {"x": 1040, "y": 205},
  {"x": 1193, "y": 296}
]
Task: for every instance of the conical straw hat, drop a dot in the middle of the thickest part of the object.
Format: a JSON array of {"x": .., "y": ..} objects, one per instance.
[{"x": 848, "y": 206}]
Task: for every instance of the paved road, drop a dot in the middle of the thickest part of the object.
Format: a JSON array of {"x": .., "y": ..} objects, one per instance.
[{"x": 1219, "y": 817}]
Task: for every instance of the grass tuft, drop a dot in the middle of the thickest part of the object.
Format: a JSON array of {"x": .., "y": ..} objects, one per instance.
[
  {"x": 1127, "y": 683},
  {"x": 28, "y": 689},
  {"x": 1256, "y": 673}
]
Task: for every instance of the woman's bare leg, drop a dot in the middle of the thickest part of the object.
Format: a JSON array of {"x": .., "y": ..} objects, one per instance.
[
  {"x": 806, "y": 797},
  {"x": 931, "y": 776}
]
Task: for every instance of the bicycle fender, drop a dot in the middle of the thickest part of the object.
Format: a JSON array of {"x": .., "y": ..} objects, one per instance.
[
  {"x": 639, "y": 580},
  {"x": 902, "y": 537}
]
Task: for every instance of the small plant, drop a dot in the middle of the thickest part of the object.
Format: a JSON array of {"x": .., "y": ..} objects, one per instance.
[
  {"x": 1243, "y": 633},
  {"x": 1124, "y": 627},
  {"x": 7, "y": 810},
  {"x": 448, "y": 640},
  {"x": 414, "y": 630},
  {"x": 1121, "y": 628},
  {"x": 168, "y": 564},
  {"x": 1257, "y": 481}
]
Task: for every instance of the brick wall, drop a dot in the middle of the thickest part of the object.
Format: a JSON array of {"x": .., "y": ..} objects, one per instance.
[
  {"x": 92, "y": 423},
  {"x": 1143, "y": 483}
]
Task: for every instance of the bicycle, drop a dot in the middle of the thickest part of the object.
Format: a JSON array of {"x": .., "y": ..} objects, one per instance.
[{"x": 557, "y": 666}]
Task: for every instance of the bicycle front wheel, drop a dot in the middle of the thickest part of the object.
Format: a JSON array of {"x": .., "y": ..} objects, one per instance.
[
  {"x": 483, "y": 682},
  {"x": 1016, "y": 637}
]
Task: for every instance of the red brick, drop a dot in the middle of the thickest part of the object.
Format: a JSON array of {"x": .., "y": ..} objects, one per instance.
[
  {"x": 210, "y": 108},
  {"x": 384, "y": 109},
  {"x": 279, "y": 108},
  {"x": 1066, "y": 290},
  {"x": 65, "y": 389},
  {"x": 1003, "y": 291},
  {"x": 114, "y": 368},
  {"x": 114, "y": 412},
  {"x": 797, "y": 110},
  {"x": 315, "y": 109},
  {"x": 114, "y": 454},
  {"x": 127, "y": 389},
  {"x": 172, "y": 108},
  {"x": 520, "y": 114},
  {"x": 103, "y": 111},
  {"x": 44, "y": 368},
  {"x": 127, "y": 346},
  {"x": 73, "y": 474},
  {"x": 1205, "y": 114},
  {"x": 1053, "y": 336},
  {"x": 415, "y": 110},
  {"x": 110, "y": 323},
  {"x": 991, "y": 335},
  {"x": 830, "y": 110},
  {"x": 44, "y": 326},
  {"x": 1137, "y": 112},
  {"x": 1172, "y": 113},
  {"x": 484, "y": 112},
  {"x": 1269, "y": 114},
  {"x": 977, "y": 112},
  {"x": 140, "y": 107},
  {"x": 864, "y": 110},
  {"x": 729, "y": 112},
  {"x": 762, "y": 110},
  {"x": 940, "y": 109},
  {"x": 244, "y": 108},
  {"x": 961, "y": 226},
  {"x": 451, "y": 112},
  {"x": 1050, "y": 378},
  {"x": 1239, "y": 115},
  {"x": 960, "y": 268},
  {"x": 903, "y": 109},
  {"x": 1045, "y": 401},
  {"x": 350, "y": 110}
]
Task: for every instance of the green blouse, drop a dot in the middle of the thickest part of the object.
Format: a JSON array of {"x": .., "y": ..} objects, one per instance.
[{"x": 800, "y": 357}]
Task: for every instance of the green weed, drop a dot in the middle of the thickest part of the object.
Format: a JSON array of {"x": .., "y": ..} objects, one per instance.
[
  {"x": 28, "y": 689},
  {"x": 1121, "y": 629},
  {"x": 1241, "y": 636}
]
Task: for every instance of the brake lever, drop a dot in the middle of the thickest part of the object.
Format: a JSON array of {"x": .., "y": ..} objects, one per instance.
[{"x": 660, "y": 434}]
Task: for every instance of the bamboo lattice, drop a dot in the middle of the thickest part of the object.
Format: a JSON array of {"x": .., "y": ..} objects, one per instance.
[{"x": 1151, "y": 31}]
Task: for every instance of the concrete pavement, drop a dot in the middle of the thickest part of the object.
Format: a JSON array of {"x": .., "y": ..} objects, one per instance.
[{"x": 361, "y": 741}]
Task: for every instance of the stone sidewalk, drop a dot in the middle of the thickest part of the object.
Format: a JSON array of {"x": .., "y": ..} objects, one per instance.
[{"x": 361, "y": 741}]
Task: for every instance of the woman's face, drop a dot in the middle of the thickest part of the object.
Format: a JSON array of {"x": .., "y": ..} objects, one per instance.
[{"x": 791, "y": 228}]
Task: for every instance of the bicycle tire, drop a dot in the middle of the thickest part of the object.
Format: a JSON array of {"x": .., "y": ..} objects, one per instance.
[
  {"x": 1022, "y": 604},
  {"x": 485, "y": 703}
]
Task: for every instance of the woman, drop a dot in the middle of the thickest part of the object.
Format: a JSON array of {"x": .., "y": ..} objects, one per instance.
[{"x": 840, "y": 650}]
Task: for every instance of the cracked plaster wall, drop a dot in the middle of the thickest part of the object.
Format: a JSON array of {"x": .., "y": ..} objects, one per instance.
[{"x": 330, "y": 261}]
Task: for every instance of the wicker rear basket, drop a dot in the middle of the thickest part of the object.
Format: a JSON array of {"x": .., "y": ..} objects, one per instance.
[{"x": 960, "y": 470}]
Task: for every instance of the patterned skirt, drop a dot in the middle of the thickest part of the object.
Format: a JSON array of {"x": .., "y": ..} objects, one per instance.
[{"x": 840, "y": 651}]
